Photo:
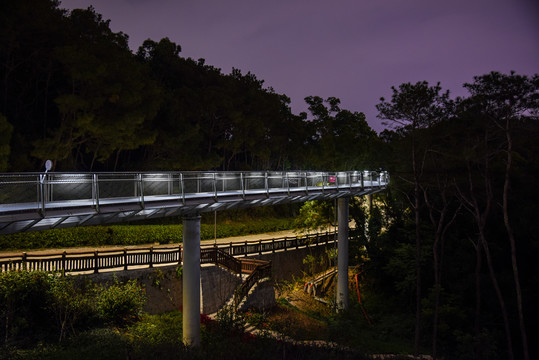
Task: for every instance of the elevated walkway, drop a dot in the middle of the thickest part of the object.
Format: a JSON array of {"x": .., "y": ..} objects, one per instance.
[{"x": 39, "y": 201}]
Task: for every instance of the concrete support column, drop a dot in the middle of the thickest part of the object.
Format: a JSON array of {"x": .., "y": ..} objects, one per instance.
[
  {"x": 342, "y": 259},
  {"x": 191, "y": 280}
]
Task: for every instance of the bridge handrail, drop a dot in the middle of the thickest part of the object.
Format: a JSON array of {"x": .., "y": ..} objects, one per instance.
[
  {"x": 123, "y": 258},
  {"x": 41, "y": 189},
  {"x": 40, "y": 201}
]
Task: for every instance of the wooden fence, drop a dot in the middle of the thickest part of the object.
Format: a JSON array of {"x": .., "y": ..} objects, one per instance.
[{"x": 123, "y": 259}]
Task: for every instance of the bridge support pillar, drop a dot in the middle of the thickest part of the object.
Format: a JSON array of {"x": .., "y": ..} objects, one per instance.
[
  {"x": 191, "y": 280},
  {"x": 342, "y": 254}
]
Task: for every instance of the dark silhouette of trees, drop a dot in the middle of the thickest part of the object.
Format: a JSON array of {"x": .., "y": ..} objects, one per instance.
[
  {"x": 414, "y": 107},
  {"x": 77, "y": 95},
  {"x": 508, "y": 103}
]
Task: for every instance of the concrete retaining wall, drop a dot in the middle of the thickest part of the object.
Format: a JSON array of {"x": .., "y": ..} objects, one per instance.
[
  {"x": 288, "y": 265},
  {"x": 261, "y": 297},
  {"x": 164, "y": 286}
]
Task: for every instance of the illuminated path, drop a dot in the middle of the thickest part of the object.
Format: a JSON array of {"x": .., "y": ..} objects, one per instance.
[{"x": 39, "y": 201}]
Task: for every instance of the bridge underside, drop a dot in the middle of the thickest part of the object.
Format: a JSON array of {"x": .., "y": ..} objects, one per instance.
[{"x": 61, "y": 214}]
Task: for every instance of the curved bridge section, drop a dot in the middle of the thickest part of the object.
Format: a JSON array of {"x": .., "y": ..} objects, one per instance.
[{"x": 38, "y": 201}]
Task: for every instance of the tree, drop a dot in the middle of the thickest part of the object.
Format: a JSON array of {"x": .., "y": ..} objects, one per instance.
[
  {"x": 29, "y": 72},
  {"x": 414, "y": 107},
  {"x": 511, "y": 102},
  {"x": 439, "y": 197},
  {"x": 341, "y": 139},
  {"x": 106, "y": 100}
]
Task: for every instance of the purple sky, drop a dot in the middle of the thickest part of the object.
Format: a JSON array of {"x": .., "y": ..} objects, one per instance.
[{"x": 351, "y": 49}]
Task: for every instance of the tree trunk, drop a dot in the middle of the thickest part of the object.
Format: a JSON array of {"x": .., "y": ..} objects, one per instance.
[
  {"x": 510, "y": 233},
  {"x": 477, "y": 323},
  {"x": 481, "y": 218},
  {"x": 440, "y": 224},
  {"x": 437, "y": 286},
  {"x": 498, "y": 294},
  {"x": 417, "y": 255}
]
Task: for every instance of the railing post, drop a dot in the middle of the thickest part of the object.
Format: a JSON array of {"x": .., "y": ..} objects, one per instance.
[
  {"x": 273, "y": 245},
  {"x": 260, "y": 247},
  {"x": 242, "y": 186},
  {"x": 95, "y": 191},
  {"x": 266, "y": 184},
  {"x": 96, "y": 262},
  {"x": 125, "y": 258},
  {"x": 24, "y": 261},
  {"x": 141, "y": 187},
  {"x": 182, "y": 188},
  {"x": 362, "y": 180},
  {"x": 245, "y": 252},
  {"x": 151, "y": 256},
  {"x": 42, "y": 193},
  {"x": 180, "y": 254},
  {"x": 214, "y": 187},
  {"x": 64, "y": 263}
]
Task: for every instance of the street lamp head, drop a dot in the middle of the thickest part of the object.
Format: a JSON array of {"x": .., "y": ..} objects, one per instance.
[{"x": 48, "y": 165}]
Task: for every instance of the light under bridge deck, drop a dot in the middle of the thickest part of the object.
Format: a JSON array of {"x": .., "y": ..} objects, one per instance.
[{"x": 39, "y": 201}]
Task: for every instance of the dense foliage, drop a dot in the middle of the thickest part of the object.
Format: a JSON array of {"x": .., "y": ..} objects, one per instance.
[
  {"x": 73, "y": 92},
  {"x": 133, "y": 235},
  {"x": 36, "y": 306},
  {"x": 455, "y": 238}
]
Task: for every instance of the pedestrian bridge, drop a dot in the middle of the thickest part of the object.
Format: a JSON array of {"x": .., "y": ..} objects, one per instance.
[{"x": 39, "y": 201}]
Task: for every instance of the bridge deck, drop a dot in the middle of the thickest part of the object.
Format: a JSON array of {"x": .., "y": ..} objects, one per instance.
[{"x": 44, "y": 201}]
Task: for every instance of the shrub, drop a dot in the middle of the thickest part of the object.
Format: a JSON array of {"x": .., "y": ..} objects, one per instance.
[
  {"x": 120, "y": 304},
  {"x": 69, "y": 304},
  {"x": 229, "y": 321},
  {"x": 22, "y": 297},
  {"x": 155, "y": 330},
  {"x": 35, "y": 304}
]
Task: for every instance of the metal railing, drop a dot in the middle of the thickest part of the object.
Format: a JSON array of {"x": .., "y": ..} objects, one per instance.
[
  {"x": 123, "y": 259},
  {"x": 35, "y": 201}
]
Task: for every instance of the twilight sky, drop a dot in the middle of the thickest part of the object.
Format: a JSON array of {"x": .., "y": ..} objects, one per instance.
[{"x": 351, "y": 49}]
